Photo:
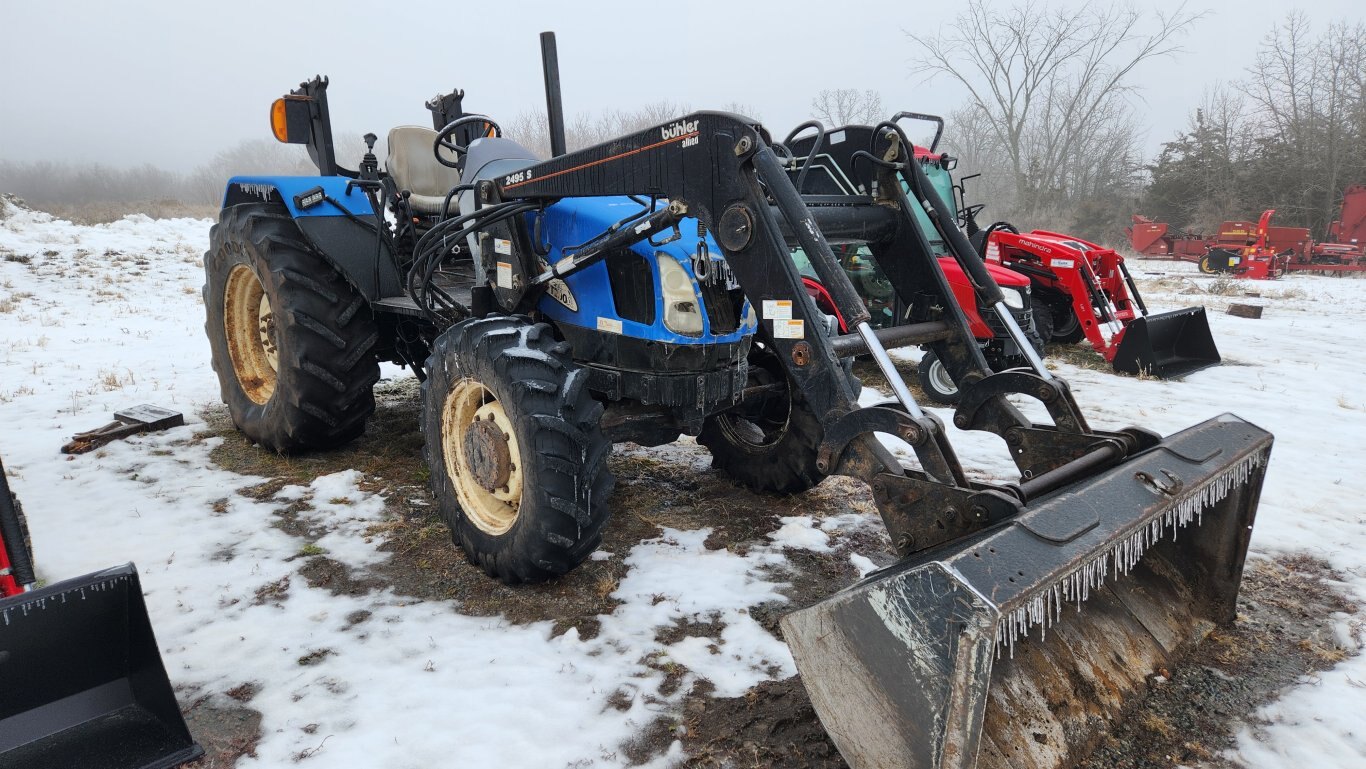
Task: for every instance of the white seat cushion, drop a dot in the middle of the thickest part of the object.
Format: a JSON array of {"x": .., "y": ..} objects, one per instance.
[{"x": 414, "y": 167}]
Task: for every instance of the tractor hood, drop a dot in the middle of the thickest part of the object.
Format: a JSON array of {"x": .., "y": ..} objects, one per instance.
[{"x": 1000, "y": 274}]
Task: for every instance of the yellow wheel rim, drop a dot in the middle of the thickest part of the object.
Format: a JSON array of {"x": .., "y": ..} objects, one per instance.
[
  {"x": 251, "y": 333},
  {"x": 482, "y": 458}
]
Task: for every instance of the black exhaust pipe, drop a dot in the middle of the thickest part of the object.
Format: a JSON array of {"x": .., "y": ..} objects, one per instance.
[{"x": 554, "y": 108}]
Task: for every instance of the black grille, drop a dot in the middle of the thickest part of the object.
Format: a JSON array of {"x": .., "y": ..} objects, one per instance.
[
  {"x": 633, "y": 286},
  {"x": 723, "y": 306}
]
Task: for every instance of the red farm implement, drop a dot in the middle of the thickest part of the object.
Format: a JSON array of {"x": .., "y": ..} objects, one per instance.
[
  {"x": 1259, "y": 251},
  {"x": 1156, "y": 240}
]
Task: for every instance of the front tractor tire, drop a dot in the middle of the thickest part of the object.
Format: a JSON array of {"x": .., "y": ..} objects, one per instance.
[
  {"x": 1065, "y": 326},
  {"x": 936, "y": 382},
  {"x": 293, "y": 342},
  {"x": 517, "y": 458},
  {"x": 769, "y": 444}
]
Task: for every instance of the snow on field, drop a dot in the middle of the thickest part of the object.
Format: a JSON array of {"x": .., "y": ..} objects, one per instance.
[{"x": 93, "y": 319}]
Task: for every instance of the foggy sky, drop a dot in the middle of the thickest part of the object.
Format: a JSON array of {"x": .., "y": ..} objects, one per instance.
[{"x": 171, "y": 83}]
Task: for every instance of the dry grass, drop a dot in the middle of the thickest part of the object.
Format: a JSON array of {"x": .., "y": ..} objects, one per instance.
[
  {"x": 104, "y": 212},
  {"x": 1226, "y": 287}
]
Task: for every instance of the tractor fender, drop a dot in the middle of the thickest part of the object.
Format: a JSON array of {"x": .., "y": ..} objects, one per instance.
[{"x": 319, "y": 206}]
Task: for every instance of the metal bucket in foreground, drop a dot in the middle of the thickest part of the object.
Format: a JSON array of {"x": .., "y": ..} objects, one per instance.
[
  {"x": 1017, "y": 649},
  {"x": 82, "y": 685},
  {"x": 1167, "y": 345}
]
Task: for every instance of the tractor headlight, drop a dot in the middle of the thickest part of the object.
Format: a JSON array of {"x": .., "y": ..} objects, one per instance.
[
  {"x": 1014, "y": 298},
  {"x": 682, "y": 312}
]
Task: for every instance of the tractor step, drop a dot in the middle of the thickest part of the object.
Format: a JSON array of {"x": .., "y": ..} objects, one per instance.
[{"x": 458, "y": 289}]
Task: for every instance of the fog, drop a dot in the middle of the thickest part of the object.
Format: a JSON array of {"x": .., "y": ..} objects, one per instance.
[{"x": 171, "y": 83}]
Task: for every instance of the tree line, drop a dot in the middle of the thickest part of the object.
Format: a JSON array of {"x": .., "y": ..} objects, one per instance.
[
  {"x": 1049, "y": 122},
  {"x": 1290, "y": 135}
]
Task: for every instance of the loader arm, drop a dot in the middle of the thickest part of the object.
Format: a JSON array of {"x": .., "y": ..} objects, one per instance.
[{"x": 720, "y": 168}]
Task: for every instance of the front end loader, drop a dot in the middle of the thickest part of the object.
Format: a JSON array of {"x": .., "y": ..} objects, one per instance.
[
  {"x": 1085, "y": 291},
  {"x": 643, "y": 288}
]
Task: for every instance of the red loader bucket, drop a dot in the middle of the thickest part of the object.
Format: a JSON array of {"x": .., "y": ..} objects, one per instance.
[
  {"x": 82, "y": 685},
  {"x": 1166, "y": 345}
]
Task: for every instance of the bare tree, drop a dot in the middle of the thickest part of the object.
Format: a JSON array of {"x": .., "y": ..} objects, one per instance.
[
  {"x": 531, "y": 129},
  {"x": 848, "y": 106},
  {"x": 1307, "y": 91},
  {"x": 744, "y": 109},
  {"x": 1051, "y": 84}
]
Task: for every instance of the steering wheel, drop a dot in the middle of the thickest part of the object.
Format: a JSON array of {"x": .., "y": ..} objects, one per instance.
[
  {"x": 1002, "y": 227},
  {"x": 445, "y": 139},
  {"x": 980, "y": 239}
]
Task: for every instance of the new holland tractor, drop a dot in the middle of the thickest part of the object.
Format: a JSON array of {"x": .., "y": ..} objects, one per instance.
[{"x": 643, "y": 288}]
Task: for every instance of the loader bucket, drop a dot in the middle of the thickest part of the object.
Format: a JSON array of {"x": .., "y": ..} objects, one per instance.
[
  {"x": 1017, "y": 649},
  {"x": 82, "y": 684},
  {"x": 1167, "y": 345}
]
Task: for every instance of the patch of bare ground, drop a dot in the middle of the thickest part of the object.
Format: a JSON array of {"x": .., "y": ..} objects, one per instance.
[
  {"x": 654, "y": 490},
  {"x": 226, "y": 727},
  {"x": 1283, "y": 634}
]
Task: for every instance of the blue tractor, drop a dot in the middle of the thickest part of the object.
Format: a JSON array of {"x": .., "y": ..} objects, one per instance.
[{"x": 644, "y": 288}]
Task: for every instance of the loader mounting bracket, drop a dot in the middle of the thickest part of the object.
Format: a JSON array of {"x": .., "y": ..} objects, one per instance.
[
  {"x": 920, "y": 513},
  {"x": 1053, "y": 393},
  {"x": 925, "y": 434}
]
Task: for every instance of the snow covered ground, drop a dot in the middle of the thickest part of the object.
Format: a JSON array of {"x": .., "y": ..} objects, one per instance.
[{"x": 93, "y": 319}]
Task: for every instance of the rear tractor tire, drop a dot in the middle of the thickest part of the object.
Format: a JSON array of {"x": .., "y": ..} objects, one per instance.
[
  {"x": 25, "y": 544},
  {"x": 517, "y": 458},
  {"x": 293, "y": 342}
]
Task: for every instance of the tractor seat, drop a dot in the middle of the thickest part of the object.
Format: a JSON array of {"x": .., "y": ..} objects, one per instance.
[{"x": 414, "y": 168}]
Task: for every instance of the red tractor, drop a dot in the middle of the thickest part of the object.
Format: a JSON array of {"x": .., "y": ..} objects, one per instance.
[
  {"x": 1064, "y": 288},
  {"x": 1082, "y": 290}
]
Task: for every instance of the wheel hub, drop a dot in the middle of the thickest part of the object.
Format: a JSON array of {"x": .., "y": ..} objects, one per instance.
[
  {"x": 487, "y": 455},
  {"x": 939, "y": 375},
  {"x": 249, "y": 325},
  {"x": 482, "y": 458}
]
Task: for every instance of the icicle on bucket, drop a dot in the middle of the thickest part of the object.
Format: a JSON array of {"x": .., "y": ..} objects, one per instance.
[
  {"x": 1016, "y": 649},
  {"x": 82, "y": 684},
  {"x": 1166, "y": 345}
]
